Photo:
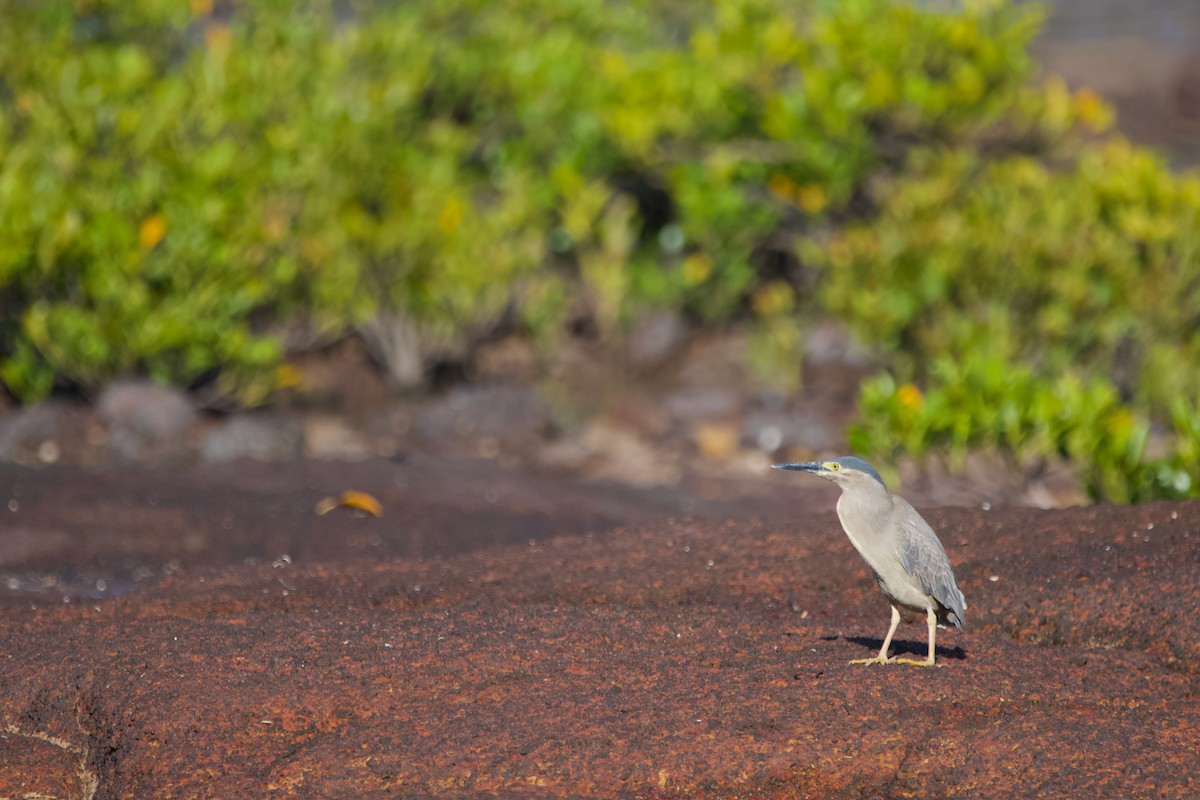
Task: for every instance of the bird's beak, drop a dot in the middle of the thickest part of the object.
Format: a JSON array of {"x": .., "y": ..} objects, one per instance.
[{"x": 802, "y": 466}]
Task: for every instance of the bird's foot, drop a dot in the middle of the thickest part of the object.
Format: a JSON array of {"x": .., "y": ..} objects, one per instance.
[
  {"x": 895, "y": 660},
  {"x": 927, "y": 662}
]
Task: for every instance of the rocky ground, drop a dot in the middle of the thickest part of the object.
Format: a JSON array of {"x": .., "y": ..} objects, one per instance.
[
  {"x": 202, "y": 632},
  {"x": 594, "y": 592},
  {"x": 669, "y": 408}
]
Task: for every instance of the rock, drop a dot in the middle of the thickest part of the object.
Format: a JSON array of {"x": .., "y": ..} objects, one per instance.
[
  {"x": 340, "y": 378},
  {"x": 716, "y": 362},
  {"x": 254, "y": 436},
  {"x": 605, "y": 451},
  {"x": 716, "y": 441},
  {"x": 23, "y": 432},
  {"x": 655, "y": 340},
  {"x": 1185, "y": 89},
  {"x": 146, "y": 422},
  {"x": 1057, "y": 486},
  {"x": 639, "y": 412},
  {"x": 331, "y": 437},
  {"x": 831, "y": 343},
  {"x": 512, "y": 359},
  {"x": 506, "y": 415},
  {"x": 700, "y": 404},
  {"x": 621, "y": 455},
  {"x": 560, "y": 663},
  {"x": 983, "y": 479},
  {"x": 798, "y": 430},
  {"x": 51, "y": 432}
]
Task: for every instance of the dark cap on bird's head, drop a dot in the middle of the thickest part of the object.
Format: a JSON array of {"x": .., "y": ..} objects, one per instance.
[{"x": 835, "y": 469}]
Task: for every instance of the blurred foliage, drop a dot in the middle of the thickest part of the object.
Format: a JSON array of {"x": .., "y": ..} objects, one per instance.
[
  {"x": 120, "y": 249},
  {"x": 183, "y": 186},
  {"x": 987, "y": 403},
  {"x": 177, "y": 184},
  {"x": 1046, "y": 312},
  {"x": 1099, "y": 264}
]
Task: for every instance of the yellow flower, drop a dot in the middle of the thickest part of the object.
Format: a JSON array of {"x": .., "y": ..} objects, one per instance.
[
  {"x": 288, "y": 376},
  {"x": 716, "y": 441},
  {"x": 1057, "y": 99},
  {"x": 450, "y": 217},
  {"x": 774, "y": 298},
  {"x": 910, "y": 396},
  {"x": 613, "y": 66},
  {"x": 1092, "y": 110},
  {"x": 696, "y": 268},
  {"x": 152, "y": 231},
  {"x": 782, "y": 188},
  {"x": 217, "y": 38},
  {"x": 811, "y": 199}
]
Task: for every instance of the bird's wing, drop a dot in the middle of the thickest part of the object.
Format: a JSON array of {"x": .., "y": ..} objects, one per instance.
[{"x": 923, "y": 557}]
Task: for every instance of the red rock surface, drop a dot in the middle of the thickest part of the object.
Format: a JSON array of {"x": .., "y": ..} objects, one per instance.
[{"x": 671, "y": 657}]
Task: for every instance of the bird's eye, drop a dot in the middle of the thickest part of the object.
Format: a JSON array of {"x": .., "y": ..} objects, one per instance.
[{"x": 836, "y": 467}]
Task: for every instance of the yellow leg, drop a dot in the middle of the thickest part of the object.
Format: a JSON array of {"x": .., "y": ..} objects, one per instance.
[
  {"x": 882, "y": 658},
  {"x": 929, "y": 660}
]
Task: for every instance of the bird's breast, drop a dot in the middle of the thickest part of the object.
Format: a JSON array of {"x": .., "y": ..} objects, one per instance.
[{"x": 866, "y": 526}]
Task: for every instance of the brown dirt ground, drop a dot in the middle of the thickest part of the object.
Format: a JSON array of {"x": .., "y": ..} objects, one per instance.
[{"x": 494, "y": 635}]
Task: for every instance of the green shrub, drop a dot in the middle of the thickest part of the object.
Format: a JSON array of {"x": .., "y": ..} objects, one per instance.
[
  {"x": 176, "y": 187},
  {"x": 988, "y": 403},
  {"x": 770, "y": 116},
  {"x": 1099, "y": 264},
  {"x": 166, "y": 205},
  {"x": 129, "y": 211},
  {"x": 1045, "y": 312}
]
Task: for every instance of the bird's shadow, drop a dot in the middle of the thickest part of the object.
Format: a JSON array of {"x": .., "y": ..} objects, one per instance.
[{"x": 899, "y": 647}]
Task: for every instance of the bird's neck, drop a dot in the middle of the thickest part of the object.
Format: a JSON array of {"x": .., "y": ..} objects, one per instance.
[{"x": 860, "y": 518}]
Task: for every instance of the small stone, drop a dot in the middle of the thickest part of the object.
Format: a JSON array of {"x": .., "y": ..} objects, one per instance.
[
  {"x": 770, "y": 431},
  {"x": 604, "y": 451},
  {"x": 23, "y": 433},
  {"x": 145, "y": 421},
  {"x": 831, "y": 343},
  {"x": 691, "y": 404},
  {"x": 716, "y": 441},
  {"x": 655, "y": 339},
  {"x": 256, "y": 437},
  {"x": 509, "y": 415},
  {"x": 49, "y": 452},
  {"x": 332, "y": 437},
  {"x": 512, "y": 359}
]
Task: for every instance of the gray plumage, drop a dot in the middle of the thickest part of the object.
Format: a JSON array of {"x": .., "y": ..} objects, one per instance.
[{"x": 909, "y": 562}]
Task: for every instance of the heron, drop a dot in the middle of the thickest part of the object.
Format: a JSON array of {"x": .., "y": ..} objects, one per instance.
[{"x": 909, "y": 562}]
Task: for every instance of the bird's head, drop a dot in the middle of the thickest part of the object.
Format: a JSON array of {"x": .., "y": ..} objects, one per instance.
[{"x": 846, "y": 471}]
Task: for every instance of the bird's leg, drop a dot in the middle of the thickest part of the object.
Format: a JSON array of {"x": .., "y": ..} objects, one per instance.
[
  {"x": 882, "y": 658},
  {"x": 928, "y": 662}
]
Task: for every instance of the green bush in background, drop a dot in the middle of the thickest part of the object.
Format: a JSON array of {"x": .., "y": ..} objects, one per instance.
[
  {"x": 177, "y": 189},
  {"x": 1046, "y": 313},
  {"x": 187, "y": 193},
  {"x": 129, "y": 204}
]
